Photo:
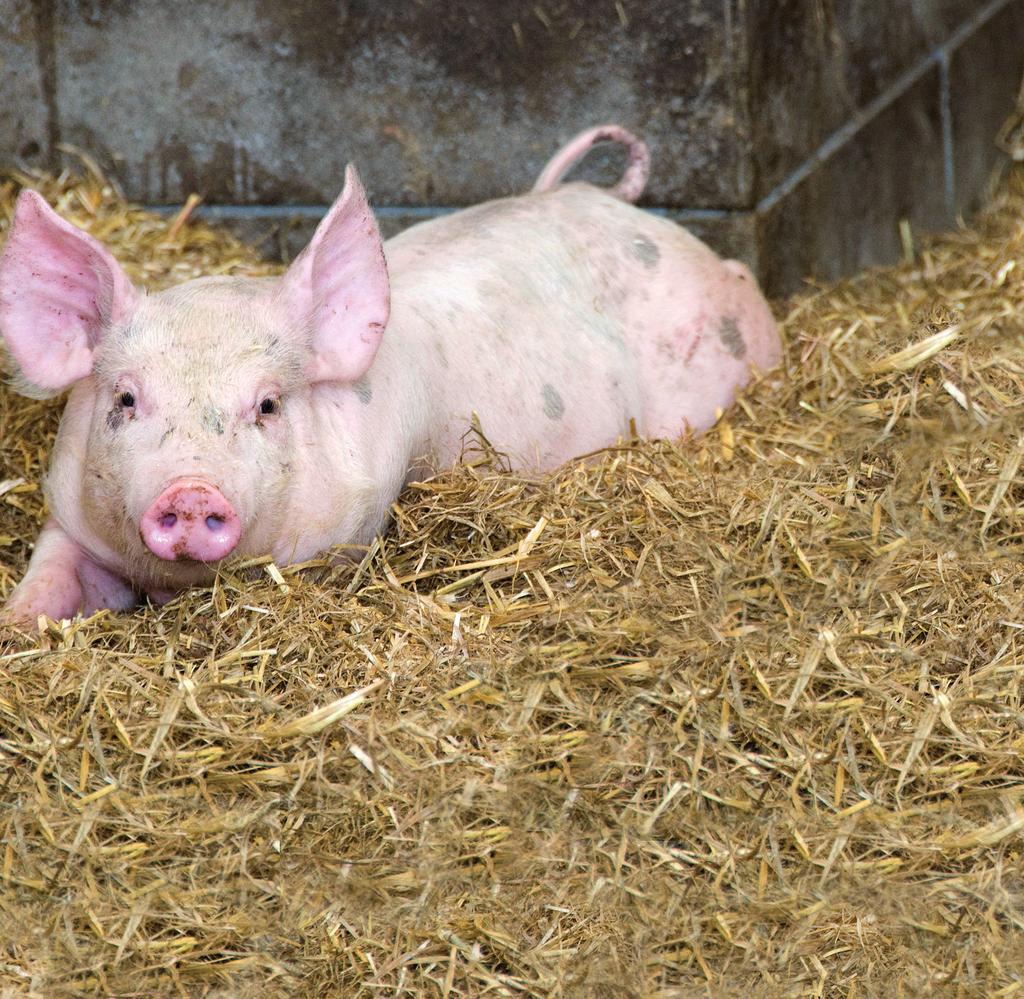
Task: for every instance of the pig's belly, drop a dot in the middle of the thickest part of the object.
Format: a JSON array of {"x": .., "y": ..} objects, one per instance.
[{"x": 551, "y": 393}]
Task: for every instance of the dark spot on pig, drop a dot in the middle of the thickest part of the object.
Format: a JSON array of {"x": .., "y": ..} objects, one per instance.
[
  {"x": 732, "y": 339},
  {"x": 167, "y": 433},
  {"x": 667, "y": 350},
  {"x": 554, "y": 407},
  {"x": 646, "y": 251},
  {"x": 115, "y": 418},
  {"x": 692, "y": 349},
  {"x": 363, "y": 390},
  {"x": 187, "y": 73},
  {"x": 213, "y": 420},
  {"x": 441, "y": 355}
]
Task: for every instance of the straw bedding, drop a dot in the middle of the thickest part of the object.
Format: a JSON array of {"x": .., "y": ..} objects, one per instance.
[{"x": 739, "y": 716}]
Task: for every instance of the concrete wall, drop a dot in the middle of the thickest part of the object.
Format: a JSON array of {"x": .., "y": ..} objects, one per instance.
[{"x": 793, "y": 133}]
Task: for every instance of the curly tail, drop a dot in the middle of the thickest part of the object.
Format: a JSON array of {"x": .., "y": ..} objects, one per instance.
[{"x": 629, "y": 188}]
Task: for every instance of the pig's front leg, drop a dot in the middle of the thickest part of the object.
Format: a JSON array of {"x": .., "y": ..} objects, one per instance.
[{"x": 62, "y": 580}]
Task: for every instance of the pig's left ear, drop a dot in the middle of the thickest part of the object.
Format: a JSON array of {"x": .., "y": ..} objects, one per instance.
[
  {"x": 60, "y": 290},
  {"x": 338, "y": 287}
]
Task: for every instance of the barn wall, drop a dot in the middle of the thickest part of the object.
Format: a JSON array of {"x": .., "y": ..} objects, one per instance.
[{"x": 793, "y": 133}]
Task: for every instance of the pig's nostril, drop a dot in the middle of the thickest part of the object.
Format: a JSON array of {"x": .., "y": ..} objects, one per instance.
[
  {"x": 168, "y": 520},
  {"x": 214, "y": 523}
]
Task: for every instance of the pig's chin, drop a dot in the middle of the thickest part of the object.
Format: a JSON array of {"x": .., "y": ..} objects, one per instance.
[
  {"x": 179, "y": 574},
  {"x": 150, "y": 572}
]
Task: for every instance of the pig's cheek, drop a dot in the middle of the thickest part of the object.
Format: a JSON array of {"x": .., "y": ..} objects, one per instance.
[
  {"x": 109, "y": 478},
  {"x": 273, "y": 444},
  {"x": 103, "y": 500},
  {"x": 274, "y": 471},
  {"x": 100, "y": 471}
]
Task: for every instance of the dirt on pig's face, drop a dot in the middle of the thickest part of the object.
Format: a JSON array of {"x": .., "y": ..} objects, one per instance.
[{"x": 202, "y": 386}]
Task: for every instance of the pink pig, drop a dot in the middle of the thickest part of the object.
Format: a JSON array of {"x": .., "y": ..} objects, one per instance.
[{"x": 274, "y": 416}]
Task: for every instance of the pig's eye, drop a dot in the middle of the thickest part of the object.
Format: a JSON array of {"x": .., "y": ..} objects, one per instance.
[
  {"x": 270, "y": 406},
  {"x": 126, "y": 400}
]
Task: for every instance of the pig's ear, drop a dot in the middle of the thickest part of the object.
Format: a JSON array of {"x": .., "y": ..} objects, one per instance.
[
  {"x": 338, "y": 288},
  {"x": 59, "y": 291}
]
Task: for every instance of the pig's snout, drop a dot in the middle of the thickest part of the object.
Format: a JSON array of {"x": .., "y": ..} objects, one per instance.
[{"x": 190, "y": 519}]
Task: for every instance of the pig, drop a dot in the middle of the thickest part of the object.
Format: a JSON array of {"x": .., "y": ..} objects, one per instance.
[{"x": 282, "y": 416}]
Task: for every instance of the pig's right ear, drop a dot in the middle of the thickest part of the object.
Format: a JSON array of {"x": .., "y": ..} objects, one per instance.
[
  {"x": 59, "y": 292},
  {"x": 338, "y": 288}
]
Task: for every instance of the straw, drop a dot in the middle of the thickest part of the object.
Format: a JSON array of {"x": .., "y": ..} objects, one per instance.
[{"x": 735, "y": 716}]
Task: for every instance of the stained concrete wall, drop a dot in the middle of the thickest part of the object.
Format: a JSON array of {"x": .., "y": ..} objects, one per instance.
[{"x": 793, "y": 133}]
